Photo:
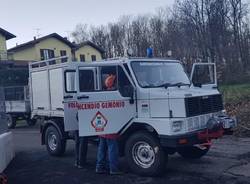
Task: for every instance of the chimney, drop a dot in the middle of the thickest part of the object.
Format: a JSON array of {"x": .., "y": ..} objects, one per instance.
[
  {"x": 34, "y": 38},
  {"x": 65, "y": 38}
]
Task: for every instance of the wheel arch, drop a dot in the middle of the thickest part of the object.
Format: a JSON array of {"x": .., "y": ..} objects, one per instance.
[
  {"x": 55, "y": 123},
  {"x": 134, "y": 127}
]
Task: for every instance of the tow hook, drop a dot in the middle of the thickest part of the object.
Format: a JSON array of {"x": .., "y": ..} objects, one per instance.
[{"x": 204, "y": 146}]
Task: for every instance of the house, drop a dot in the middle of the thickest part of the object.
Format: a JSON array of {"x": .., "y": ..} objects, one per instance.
[
  {"x": 50, "y": 46},
  {"x": 54, "y": 45},
  {"x": 87, "y": 52},
  {"x": 4, "y": 36}
]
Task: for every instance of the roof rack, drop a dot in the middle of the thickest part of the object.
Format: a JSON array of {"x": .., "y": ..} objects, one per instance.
[
  {"x": 115, "y": 58},
  {"x": 48, "y": 62}
]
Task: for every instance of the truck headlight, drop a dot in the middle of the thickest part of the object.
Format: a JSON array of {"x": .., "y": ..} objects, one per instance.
[{"x": 177, "y": 126}]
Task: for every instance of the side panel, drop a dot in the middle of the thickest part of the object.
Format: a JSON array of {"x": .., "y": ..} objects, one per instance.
[
  {"x": 159, "y": 103},
  {"x": 71, "y": 115},
  {"x": 17, "y": 106},
  {"x": 40, "y": 90},
  {"x": 56, "y": 89},
  {"x": 104, "y": 113}
]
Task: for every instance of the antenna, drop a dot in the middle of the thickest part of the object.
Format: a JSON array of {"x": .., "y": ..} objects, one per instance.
[
  {"x": 38, "y": 34},
  {"x": 68, "y": 34}
]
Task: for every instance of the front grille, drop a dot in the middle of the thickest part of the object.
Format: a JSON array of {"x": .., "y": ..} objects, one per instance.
[{"x": 203, "y": 105}]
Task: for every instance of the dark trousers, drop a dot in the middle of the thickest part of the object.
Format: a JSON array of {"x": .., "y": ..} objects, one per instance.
[{"x": 81, "y": 149}]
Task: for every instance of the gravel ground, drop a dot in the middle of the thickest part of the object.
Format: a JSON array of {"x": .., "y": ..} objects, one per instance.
[{"x": 228, "y": 161}]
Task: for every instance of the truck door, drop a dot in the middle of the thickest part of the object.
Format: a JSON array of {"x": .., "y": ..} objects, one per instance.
[
  {"x": 104, "y": 108},
  {"x": 204, "y": 75},
  {"x": 69, "y": 100}
]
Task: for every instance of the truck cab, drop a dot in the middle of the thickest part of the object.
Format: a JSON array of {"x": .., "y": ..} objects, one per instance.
[{"x": 153, "y": 105}]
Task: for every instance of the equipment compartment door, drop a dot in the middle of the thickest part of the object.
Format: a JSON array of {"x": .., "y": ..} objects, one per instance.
[
  {"x": 105, "y": 100},
  {"x": 69, "y": 100}
]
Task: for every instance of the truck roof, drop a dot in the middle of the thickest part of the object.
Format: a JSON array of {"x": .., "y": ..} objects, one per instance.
[{"x": 47, "y": 63}]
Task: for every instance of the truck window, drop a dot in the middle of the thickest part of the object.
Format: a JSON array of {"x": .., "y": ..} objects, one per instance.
[
  {"x": 108, "y": 78},
  {"x": 14, "y": 93},
  {"x": 86, "y": 80},
  {"x": 123, "y": 83},
  {"x": 69, "y": 76},
  {"x": 203, "y": 74}
]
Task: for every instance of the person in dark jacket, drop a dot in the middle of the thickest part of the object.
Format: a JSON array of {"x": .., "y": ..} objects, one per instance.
[{"x": 81, "y": 149}]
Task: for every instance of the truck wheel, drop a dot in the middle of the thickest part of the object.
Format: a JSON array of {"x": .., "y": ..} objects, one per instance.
[
  {"x": 55, "y": 144},
  {"x": 11, "y": 121},
  {"x": 145, "y": 155},
  {"x": 31, "y": 122},
  {"x": 193, "y": 152}
]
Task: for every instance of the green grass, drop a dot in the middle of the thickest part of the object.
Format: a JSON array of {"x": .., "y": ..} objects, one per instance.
[{"x": 235, "y": 93}]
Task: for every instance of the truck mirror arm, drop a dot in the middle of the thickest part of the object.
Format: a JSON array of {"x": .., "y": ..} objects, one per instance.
[{"x": 132, "y": 100}]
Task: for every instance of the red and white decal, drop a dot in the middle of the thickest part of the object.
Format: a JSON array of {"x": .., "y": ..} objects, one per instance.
[
  {"x": 99, "y": 122},
  {"x": 97, "y": 105}
]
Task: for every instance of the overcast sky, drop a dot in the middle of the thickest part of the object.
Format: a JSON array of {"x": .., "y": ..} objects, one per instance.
[{"x": 24, "y": 17}]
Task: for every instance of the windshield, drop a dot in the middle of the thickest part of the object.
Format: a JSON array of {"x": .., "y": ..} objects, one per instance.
[{"x": 159, "y": 74}]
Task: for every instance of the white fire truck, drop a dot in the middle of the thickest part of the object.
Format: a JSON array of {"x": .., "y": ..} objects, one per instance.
[{"x": 154, "y": 107}]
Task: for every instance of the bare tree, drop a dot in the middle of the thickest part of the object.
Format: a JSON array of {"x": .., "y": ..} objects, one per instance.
[
  {"x": 81, "y": 33},
  {"x": 194, "y": 30}
]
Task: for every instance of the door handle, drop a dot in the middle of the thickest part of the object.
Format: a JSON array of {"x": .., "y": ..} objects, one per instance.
[
  {"x": 83, "y": 96},
  {"x": 67, "y": 97}
]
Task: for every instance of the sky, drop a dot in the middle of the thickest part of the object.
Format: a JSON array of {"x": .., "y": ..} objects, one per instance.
[{"x": 29, "y": 18}]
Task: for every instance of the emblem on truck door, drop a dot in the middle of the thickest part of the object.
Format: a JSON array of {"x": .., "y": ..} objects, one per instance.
[{"x": 99, "y": 122}]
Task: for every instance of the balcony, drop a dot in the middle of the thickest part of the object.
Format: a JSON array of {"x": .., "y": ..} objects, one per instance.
[{"x": 5, "y": 56}]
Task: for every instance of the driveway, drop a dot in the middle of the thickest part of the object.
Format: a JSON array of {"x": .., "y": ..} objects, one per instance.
[{"x": 228, "y": 161}]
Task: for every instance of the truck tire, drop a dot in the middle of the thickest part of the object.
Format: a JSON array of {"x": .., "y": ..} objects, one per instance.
[
  {"x": 11, "y": 121},
  {"x": 144, "y": 154},
  {"x": 55, "y": 144},
  {"x": 193, "y": 152},
  {"x": 31, "y": 122}
]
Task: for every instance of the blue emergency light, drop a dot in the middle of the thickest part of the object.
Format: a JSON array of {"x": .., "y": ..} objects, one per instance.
[{"x": 149, "y": 52}]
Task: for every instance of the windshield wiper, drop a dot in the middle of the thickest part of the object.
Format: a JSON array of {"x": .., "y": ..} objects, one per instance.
[
  {"x": 178, "y": 84},
  {"x": 165, "y": 85}
]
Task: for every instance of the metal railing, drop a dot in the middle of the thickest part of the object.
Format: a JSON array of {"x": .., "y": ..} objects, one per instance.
[{"x": 52, "y": 61}]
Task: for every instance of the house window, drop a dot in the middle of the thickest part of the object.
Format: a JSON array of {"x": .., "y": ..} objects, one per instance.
[
  {"x": 47, "y": 54},
  {"x": 93, "y": 57},
  {"x": 82, "y": 57},
  {"x": 63, "y": 53}
]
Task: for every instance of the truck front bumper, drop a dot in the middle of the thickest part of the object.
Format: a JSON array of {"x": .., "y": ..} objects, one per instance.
[{"x": 216, "y": 128}]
